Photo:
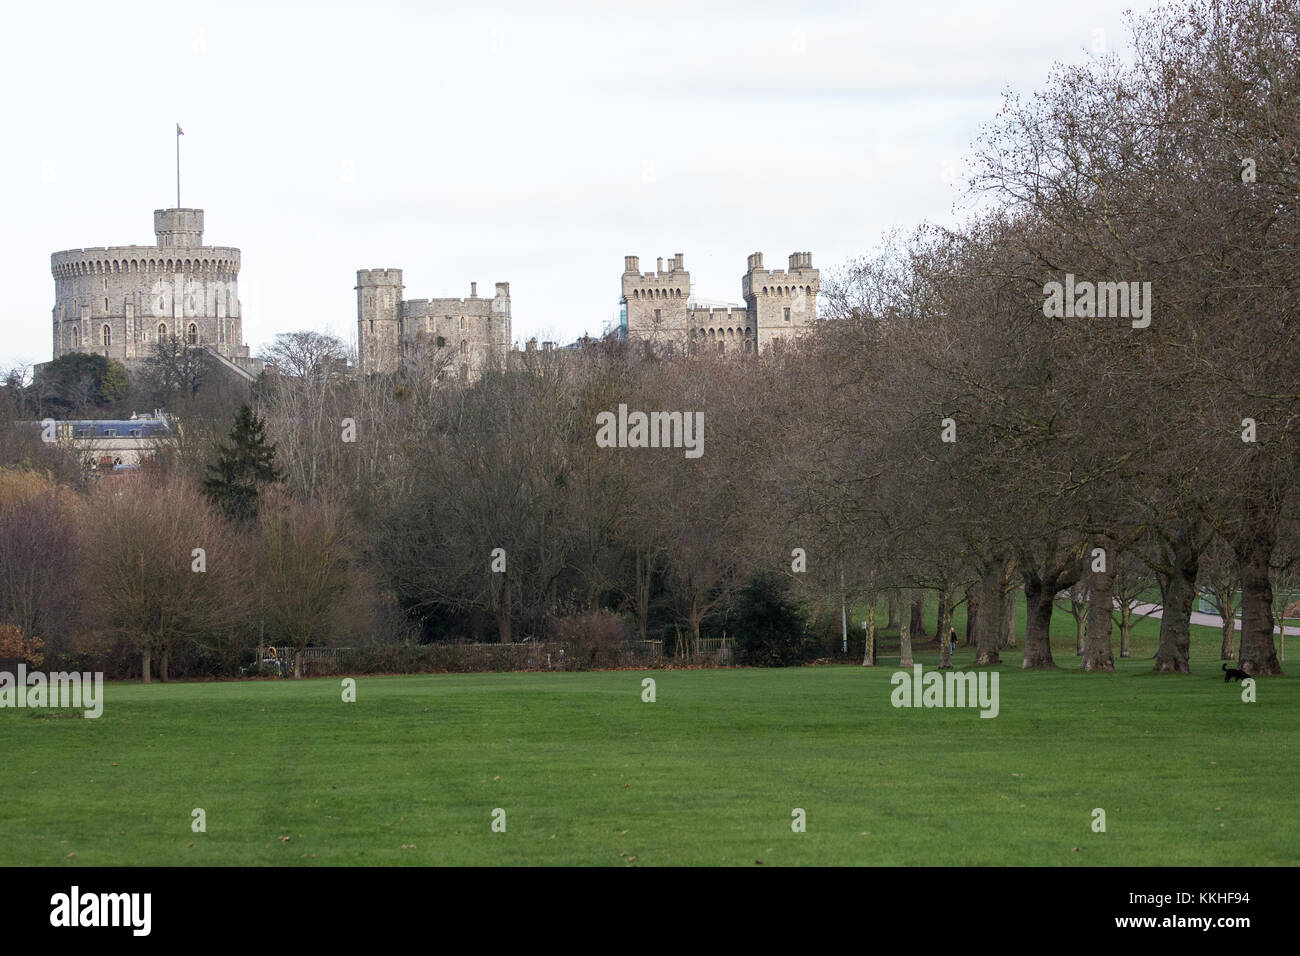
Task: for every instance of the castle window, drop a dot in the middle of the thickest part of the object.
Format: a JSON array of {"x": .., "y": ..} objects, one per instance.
[
  {"x": 372, "y": 326},
  {"x": 722, "y": 345},
  {"x": 658, "y": 316},
  {"x": 749, "y": 345},
  {"x": 462, "y": 323},
  {"x": 442, "y": 342},
  {"x": 76, "y": 336},
  {"x": 162, "y": 331},
  {"x": 787, "y": 315},
  {"x": 106, "y": 336},
  {"x": 192, "y": 334},
  {"x": 231, "y": 336},
  {"x": 105, "y": 303}
]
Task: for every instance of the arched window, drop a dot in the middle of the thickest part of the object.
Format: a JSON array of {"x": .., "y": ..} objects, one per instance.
[
  {"x": 106, "y": 336},
  {"x": 76, "y": 337},
  {"x": 192, "y": 334},
  {"x": 162, "y": 331},
  {"x": 722, "y": 345},
  {"x": 231, "y": 336},
  {"x": 749, "y": 345}
]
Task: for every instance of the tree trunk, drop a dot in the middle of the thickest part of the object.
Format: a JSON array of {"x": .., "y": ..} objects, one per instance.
[
  {"x": 1097, "y": 651},
  {"x": 893, "y": 600},
  {"x": 1258, "y": 653},
  {"x": 944, "y": 628},
  {"x": 162, "y": 664},
  {"x": 1008, "y": 638},
  {"x": 988, "y": 623},
  {"x": 1178, "y": 594},
  {"x": 503, "y": 614},
  {"x": 644, "y": 574},
  {"x": 869, "y": 651},
  {"x": 1039, "y": 601},
  {"x": 1125, "y": 631},
  {"x": 145, "y": 656},
  {"x": 1228, "y": 633},
  {"x": 695, "y": 628},
  {"x": 972, "y": 614},
  {"x": 918, "y": 616},
  {"x": 905, "y": 641}
]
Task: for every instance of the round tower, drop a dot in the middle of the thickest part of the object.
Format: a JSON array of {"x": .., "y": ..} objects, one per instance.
[{"x": 118, "y": 300}]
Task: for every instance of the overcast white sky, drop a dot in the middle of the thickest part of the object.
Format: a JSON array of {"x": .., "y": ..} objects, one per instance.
[{"x": 523, "y": 142}]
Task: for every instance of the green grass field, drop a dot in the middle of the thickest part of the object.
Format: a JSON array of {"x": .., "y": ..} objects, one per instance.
[{"x": 708, "y": 774}]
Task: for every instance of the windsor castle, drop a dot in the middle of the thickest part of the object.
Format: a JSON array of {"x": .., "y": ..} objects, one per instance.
[{"x": 118, "y": 300}]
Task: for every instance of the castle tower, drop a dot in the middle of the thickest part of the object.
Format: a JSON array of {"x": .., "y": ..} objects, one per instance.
[
  {"x": 118, "y": 301},
  {"x": 178, "y": 227},
  {"x": 781, "y": 304},
  {"x": 379, "y": 309},
  {"x": 656, "y": 301},
  {"x": 501, "y": 318}
]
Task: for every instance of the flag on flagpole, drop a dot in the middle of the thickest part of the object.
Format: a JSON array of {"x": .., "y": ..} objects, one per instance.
[{"x": 179, "y": 131}]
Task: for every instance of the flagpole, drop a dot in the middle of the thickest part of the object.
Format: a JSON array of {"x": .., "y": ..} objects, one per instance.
[{"x": 178, "y": 165}]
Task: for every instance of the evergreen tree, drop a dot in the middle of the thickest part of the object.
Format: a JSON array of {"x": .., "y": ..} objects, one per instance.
[{"x": 242, "y": 467}]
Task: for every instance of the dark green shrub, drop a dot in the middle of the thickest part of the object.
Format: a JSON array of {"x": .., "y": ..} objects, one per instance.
[{"x": 771, "y": 628}]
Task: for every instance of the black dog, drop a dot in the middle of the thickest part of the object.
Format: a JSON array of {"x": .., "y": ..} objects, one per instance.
[{"x": 1231, "y": 673}]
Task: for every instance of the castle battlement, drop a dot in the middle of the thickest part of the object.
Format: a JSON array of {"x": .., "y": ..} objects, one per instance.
[{"x": 388, "y": 277}]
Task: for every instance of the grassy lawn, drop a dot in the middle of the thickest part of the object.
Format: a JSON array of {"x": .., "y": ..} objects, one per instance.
[{"x": 708, "y": 774}]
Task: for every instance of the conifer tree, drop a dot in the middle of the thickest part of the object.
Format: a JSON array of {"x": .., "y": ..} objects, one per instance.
[{"x": 242, "y": 467}]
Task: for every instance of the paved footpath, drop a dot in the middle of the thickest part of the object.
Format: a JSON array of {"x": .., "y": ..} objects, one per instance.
[{"x": 1209, "y": 620}]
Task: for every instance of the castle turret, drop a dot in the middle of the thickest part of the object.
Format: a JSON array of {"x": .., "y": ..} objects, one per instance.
[
  {"x": 656, "y": 301},
  {"x": 501, "y": 313},
  {"x": 781, "y": 303},
  {"x": 379, "y": 311},
  {"x": 178, "y": 227}
]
